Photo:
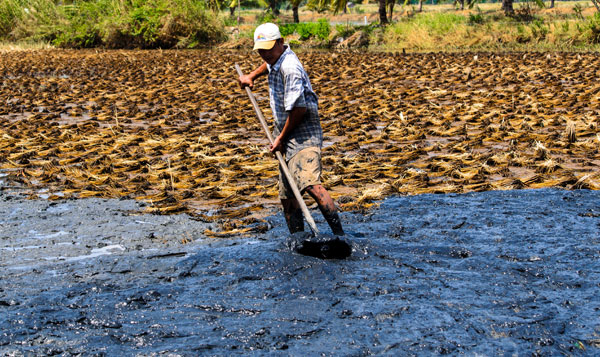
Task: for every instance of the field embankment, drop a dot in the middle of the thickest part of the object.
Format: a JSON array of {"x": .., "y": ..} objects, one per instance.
[
  {"x": 569, "y": 26},
  {"x": 173, "y": 128}
]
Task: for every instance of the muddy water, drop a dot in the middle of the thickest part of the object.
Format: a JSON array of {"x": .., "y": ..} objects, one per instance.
[{"x": 494, "y": 273}]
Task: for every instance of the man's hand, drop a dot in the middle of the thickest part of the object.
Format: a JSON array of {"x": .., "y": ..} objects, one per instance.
[
  {"x": 277, "y": 145},
  {"x": 246, "y": 80},
  {"x": 294, "y": 119}
]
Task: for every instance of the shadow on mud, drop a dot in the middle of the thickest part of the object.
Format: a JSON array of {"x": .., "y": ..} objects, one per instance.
[{"x": 513, "y": 272}]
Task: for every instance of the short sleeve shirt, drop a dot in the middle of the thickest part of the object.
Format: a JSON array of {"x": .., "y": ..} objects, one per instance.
[{"x": 290, "y": 87}]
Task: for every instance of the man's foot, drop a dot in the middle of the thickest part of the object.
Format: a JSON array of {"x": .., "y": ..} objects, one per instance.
[{"x": 321, "y": 246}]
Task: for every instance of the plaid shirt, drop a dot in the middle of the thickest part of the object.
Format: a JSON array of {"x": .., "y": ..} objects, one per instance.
[{"x": 290, "y": 87}]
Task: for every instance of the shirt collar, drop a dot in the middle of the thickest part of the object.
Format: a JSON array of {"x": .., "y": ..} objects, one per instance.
[{"x": 277, "y": 64}]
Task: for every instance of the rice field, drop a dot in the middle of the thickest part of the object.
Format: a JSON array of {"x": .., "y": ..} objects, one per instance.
[{"x": 173, "y": 128}]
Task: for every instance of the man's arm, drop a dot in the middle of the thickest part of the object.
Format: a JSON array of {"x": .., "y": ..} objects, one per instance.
[
  {"x": 294, "y": 119},
  {"x": 248, "y": 79}
]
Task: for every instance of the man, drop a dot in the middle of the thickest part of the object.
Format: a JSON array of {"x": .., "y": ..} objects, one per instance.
[{"x": 298, "y": 134}]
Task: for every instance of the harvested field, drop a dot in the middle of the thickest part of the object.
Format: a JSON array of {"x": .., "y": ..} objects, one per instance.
[{"x": 173, "y": 128}]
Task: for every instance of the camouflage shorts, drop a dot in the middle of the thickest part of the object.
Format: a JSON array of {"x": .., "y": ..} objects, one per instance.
[{"x": 305, "y": 168}]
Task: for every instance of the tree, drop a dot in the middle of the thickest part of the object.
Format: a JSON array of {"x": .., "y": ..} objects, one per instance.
[
  {"x": 382, "y": 12},
  {"x": 274, "y": 5},
  {"x": 391, "y": 4},
  {"x": 232, "y": 6},
  {"x": 295, "y": 5},
  {"x": 507, "y": 7}
]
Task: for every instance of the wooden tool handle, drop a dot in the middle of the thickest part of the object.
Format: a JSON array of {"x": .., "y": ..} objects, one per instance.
[{"x": 282, "y": 162}]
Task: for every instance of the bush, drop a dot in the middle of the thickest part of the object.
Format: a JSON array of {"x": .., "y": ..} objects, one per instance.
[
  {"x": 357, "y": 10},
  {"x": 38, "y": 22},
  {"x": 266, "y": 16},
  {"x": 145, "y": 18},
  {"x": 193, "y": 26},
  {"x": 11, "y": 11},
  {"x": 79, "y": 26},
  {"x": 115, "y": 23},
  {"x": 539, "y": 29},
  {"x": 345, "y": 31},
  {"x": 307, "y": 30},
  {"x": 591, "y": 29},
  {"x": 78, "y": 35},
  {"x": 475, "y": 19}
]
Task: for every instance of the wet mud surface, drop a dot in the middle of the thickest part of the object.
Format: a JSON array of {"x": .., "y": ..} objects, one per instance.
[{"x": 493, "y": 273}]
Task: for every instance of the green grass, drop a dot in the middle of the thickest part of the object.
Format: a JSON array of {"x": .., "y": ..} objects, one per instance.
[
  {"x": 481, "y": 32},
  {"x": 11, "y": 11},
  {"x": 438, "y": 23},
  {"x": 307, "y": 30},
  {"x": 111, "y": 23}
]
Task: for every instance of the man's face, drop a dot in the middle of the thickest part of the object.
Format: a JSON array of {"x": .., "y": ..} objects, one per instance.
[{"x": 271, "y": 56}]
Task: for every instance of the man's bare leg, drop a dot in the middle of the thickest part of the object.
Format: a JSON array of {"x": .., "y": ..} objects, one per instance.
[
  {"x": 327, "y": 207},
  {"x": 293, "y": 215}
]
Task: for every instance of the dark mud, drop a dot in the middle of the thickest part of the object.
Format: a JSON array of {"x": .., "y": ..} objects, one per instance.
[{"x": 494, "y": 273}]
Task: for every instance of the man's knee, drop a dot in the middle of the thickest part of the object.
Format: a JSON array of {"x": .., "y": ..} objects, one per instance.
[{"x": 313, "y": 189}]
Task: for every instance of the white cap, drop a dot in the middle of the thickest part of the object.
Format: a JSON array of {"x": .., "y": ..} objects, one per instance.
[{"x": 265, "y": 36}]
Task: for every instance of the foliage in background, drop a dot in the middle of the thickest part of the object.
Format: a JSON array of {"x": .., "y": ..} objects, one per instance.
[
  {"x": 111, "y": 23},
  {"x": 457, "y": 32},
  {"x": 345, "y": 30},
  {"x": 11, "y": 11},
  {"x": 190, "y": 23},
  {"x": 306, "y": 30},
  {"x": 335, "y": 6},
  {"x": 590, "y": 30},
  {"x": 266, "y": 16}
]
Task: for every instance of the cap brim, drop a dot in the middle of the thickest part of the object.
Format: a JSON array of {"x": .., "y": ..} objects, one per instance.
[{"x": 264, "y": 45}]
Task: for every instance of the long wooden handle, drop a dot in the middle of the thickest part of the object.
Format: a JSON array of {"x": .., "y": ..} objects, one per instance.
[{"x": 282, "y": 162}]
